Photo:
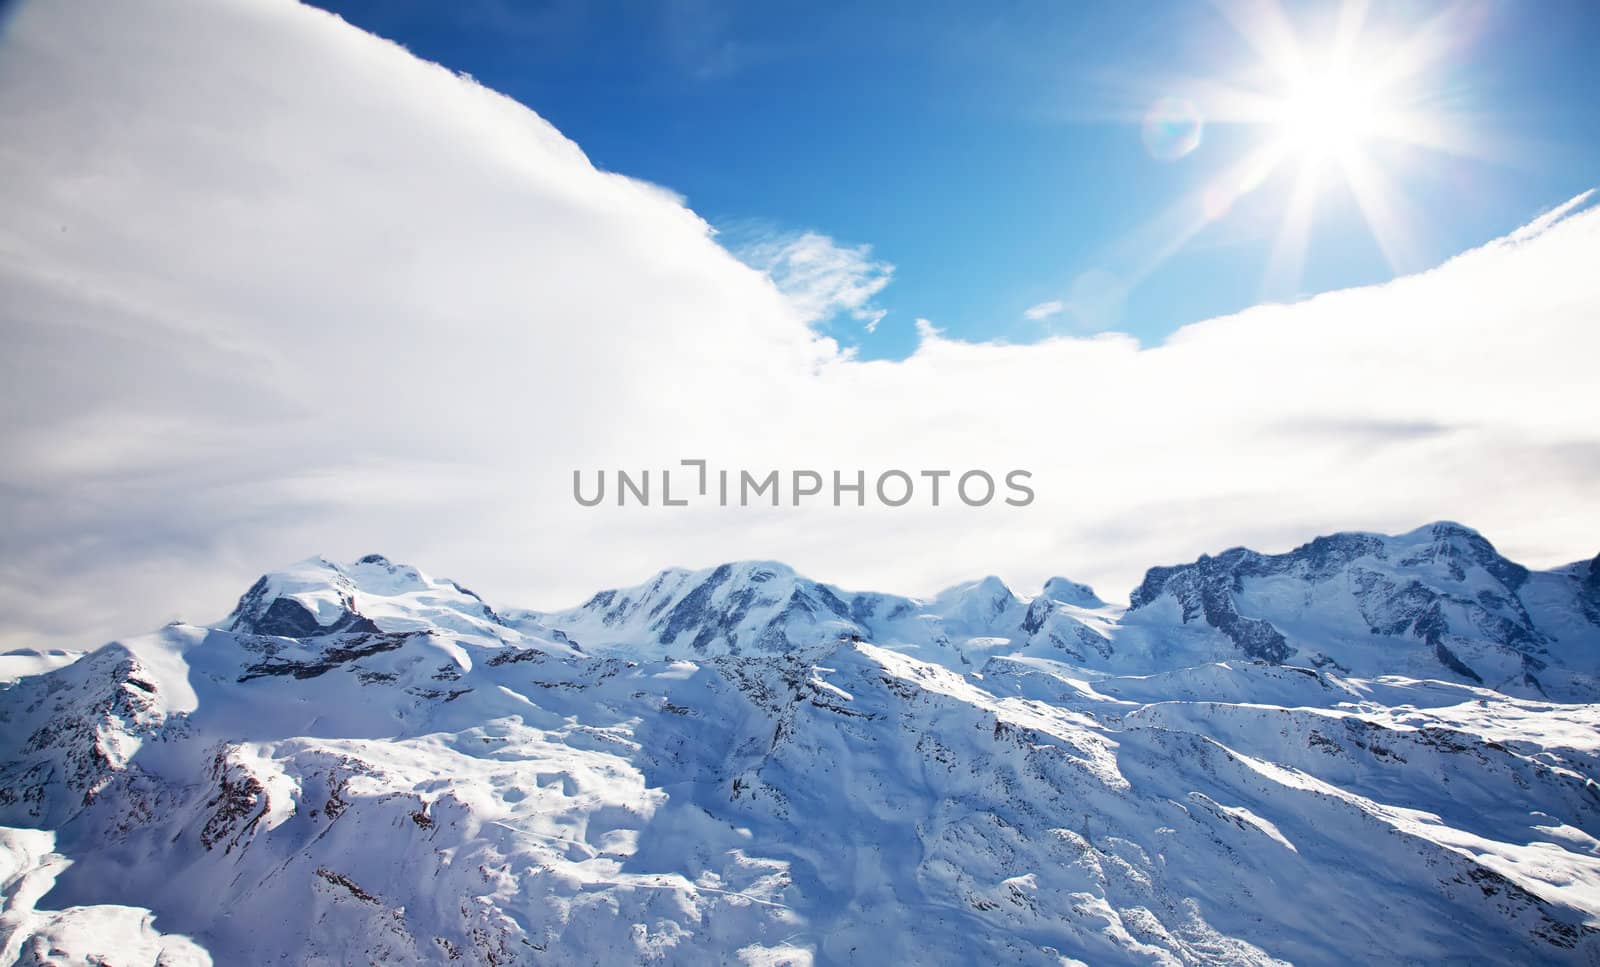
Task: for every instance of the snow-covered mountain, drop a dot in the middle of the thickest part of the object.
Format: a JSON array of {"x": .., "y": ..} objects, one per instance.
[
  {"x": 1370, "y": 749},
  {"x": 1438, "y": 602}
]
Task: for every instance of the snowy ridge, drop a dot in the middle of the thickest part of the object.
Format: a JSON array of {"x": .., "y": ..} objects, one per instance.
[
  {"x": 1263, "y": 760},
  {"x": 1438, "y": 602}
]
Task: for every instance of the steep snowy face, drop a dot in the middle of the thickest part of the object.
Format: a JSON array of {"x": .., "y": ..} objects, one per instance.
[
  {"x": 70, "y": 735},
  {"x": 1439, "y": 601},
  {"x": 1586, "y": 581},
  {"x": 751, "y": 607}
]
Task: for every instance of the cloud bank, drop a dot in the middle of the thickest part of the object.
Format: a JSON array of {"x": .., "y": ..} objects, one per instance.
[{"x": 270, "y": 286}]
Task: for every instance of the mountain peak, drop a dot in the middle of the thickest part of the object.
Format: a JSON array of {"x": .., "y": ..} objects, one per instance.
[
  {"x": 984, "y": 587},
  {"x": 1446, "y": 530},
  {"x": 317, "y": 597},
  {"x": 1442, "y": 587},
  {"x": 1071, "y": 592}
]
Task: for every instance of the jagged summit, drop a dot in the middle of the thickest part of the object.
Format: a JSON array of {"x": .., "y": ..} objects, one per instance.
[{"x": 1436, "y": 599}]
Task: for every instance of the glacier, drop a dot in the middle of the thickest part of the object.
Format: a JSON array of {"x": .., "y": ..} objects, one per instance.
[{"x": 1370, "y": 749}]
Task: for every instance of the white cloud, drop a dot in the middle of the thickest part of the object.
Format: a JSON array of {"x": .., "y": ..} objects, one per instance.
[
  {"x": 1549, "y": 218},
  {"x": 1095, "y": 302},
  {"x": 1044, "y": 310},
  {"x": 271, "y": 287},
  {"x": 820, "y": 277}
]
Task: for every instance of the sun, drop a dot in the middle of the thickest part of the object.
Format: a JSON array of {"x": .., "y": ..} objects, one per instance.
[
  {"x": 1331, "y": 111},
  {"x": 1330, "y": 104}
]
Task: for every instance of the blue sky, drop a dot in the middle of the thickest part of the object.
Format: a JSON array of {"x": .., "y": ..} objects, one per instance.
[
  {"x": 993, "y": 153},
  {"x": 255, "y": 222}
]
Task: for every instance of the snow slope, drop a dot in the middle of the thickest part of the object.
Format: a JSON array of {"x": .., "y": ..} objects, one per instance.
[{"x": 1265, "y": 760}]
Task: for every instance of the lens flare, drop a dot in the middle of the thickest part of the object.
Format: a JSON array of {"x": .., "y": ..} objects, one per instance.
[{"x": 1172, "y": 128}]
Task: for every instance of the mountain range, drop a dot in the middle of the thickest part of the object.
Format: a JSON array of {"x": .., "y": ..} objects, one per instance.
[{"x": 1369, "y": 749}]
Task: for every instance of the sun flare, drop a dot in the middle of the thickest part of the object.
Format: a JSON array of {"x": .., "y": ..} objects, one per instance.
[
  {"x": 1331, "y": 111},
  {"x": 1330, "y": 105}
]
